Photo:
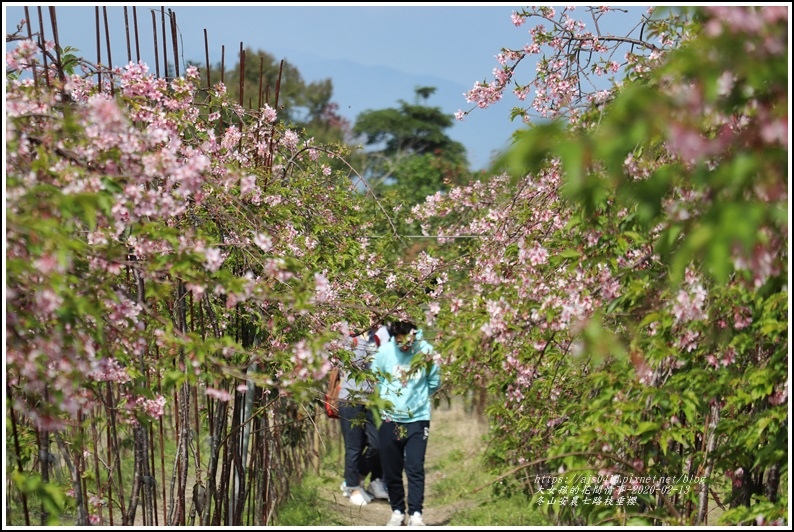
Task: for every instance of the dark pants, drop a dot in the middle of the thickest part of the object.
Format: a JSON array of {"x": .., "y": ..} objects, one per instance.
[
  {"x": 402, "y": 447},
  {"x": 361, "y": 443}
]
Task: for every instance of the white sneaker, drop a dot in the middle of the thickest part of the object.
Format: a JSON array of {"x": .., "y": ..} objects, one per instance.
[
  {"x": 416, "y": 520},
  {"x": 359, "y": 497},
  {"x": 396, "y": 518},
  {"x": 345, "y": 491},
  {"x": 378, "y": 489}
]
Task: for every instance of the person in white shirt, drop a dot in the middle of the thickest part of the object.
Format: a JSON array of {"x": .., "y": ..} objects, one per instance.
[{"x": 358, "y": 425}]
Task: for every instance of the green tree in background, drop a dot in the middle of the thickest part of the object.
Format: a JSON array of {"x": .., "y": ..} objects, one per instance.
[
  {"x": 396, "y": 135},
  {"x": 300, "y": 104},
  {"x": 413, "y": 129},
  {"x": 411, "y": 157}
]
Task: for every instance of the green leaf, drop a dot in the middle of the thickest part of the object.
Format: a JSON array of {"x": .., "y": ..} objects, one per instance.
[
  {"x": 569, "y": 254},
  {"x": 173, "y": 378},
  {"x": 532, "y": 148}
]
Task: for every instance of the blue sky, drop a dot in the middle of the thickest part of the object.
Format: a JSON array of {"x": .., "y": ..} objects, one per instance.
[{"x": 375, "y": 54}]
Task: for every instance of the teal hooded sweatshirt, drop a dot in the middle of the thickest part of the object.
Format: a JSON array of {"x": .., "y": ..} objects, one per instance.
[{"x": 409, "y": 391}]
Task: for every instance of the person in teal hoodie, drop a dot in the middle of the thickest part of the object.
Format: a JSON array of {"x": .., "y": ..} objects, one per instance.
[{"x": 407, "y": 378}]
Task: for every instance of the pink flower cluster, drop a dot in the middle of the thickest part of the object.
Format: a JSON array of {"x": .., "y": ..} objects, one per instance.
[{"x": 108, "y": 370}]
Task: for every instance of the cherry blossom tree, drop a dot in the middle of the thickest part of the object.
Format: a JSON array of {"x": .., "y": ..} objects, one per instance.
[
  {"x": 174, "y": 262},
  {"x": 622, "y": 291}
]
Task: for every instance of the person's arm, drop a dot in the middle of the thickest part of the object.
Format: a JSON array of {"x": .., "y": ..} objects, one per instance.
[
  {"x": 434, "y": 379},
  {"x": 434, "y": 375},
  {"x": 377, "y": 365}
]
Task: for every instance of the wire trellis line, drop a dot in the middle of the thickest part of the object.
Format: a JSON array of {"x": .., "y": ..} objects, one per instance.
[{"x": 429, "y": 236}]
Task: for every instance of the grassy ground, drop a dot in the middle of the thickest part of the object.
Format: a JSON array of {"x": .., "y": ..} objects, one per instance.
[{"x": 458, "y": 488}]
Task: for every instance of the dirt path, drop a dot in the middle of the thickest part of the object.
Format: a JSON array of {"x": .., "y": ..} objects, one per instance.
[{"x": 453, "y": 432}]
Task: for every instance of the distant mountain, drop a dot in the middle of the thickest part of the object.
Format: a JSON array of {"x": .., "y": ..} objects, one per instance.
[{"x": 358, "y": 88}]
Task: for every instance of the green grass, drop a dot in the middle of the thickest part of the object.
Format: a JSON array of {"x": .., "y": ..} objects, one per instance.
[
  {"x": 466, "y": 480},
  {"x": 490, "y": 510},
  {"x": 462, "y": 478},
  {"x": 305, "y": 507}
]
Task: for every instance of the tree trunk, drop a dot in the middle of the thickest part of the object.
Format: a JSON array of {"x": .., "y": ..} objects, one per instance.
[
  {"x": 703, "y": 496},
  {"x": 772, "y": 483}
]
